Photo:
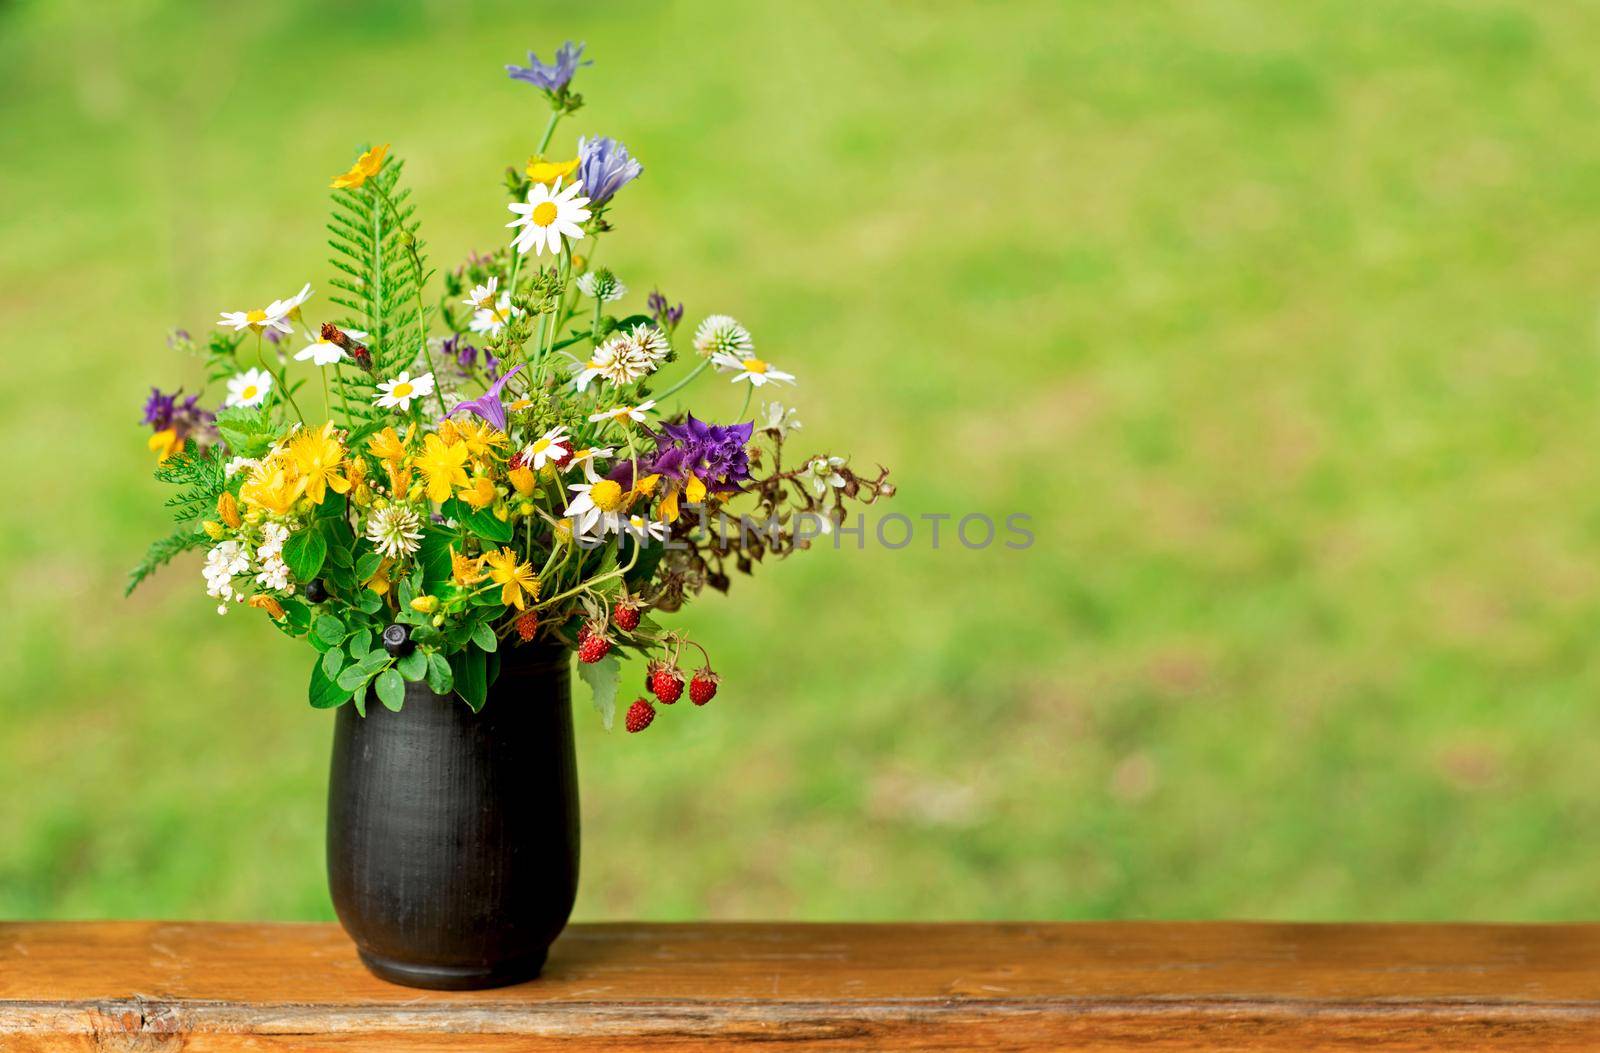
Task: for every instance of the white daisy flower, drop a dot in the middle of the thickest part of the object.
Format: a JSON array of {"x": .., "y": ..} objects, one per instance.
[
  {"x": 249, "y": 388},
  {"x": 483, "y": 295},
  {"x": 756, "y": 370},
  {"x": 721, "y": 334},
  {"x": 636, "y": 526},
  {"x": 548, "y": 448},
  {"x": 274, "y": 316},
  {"x": 601, "y": 285},
  {"x": 402, "y": 389},
  {"x": 585, "y": 459},
  {"x": 236, "y": 465},
  {"x": 619, "y": 414},
  {"x": 776, "y": 418},
  {"x": 492, "y": 319},
  {"x": 547, "y": 217},
  {"x": 290, "y": 308},
  {"x": 823, "y": 473},
  {"x": 395, "y": 531},
  {"x": 326, "y": 352}
]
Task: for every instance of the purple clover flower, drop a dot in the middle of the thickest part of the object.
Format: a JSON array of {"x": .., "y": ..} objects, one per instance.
[
  {"x": 555, "y": 76},
  {"x": 666, "y": 316},
  {"x": 604, "y": 167},
  {"x": 714, "y": 452},
  {"x": 165, "y": 411}
]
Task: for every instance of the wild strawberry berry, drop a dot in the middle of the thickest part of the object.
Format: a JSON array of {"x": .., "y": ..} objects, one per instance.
[
  {"x": 594, "y": 647},
  {"x": 626, "y": 615},
  {"x": 527, "y": 626},
  {"x": 666, "y": 683},
  {"x": 703, "y": 688},
  {"x": 640, "y": 714}
]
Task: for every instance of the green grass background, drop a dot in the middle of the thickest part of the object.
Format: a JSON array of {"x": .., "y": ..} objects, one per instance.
[{"x": 1279, "y": 319}]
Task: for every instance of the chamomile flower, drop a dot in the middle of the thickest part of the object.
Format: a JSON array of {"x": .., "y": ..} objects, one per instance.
[
  {"x": 483, "y": 296},
  {"x": 493, "y": 318},
  {"x": 402, "y": 389},
  {"x": 269, "y": 317},
  {"x": 249, "y": 388},
  {"x": 601, "y": 285},
  {"x": 395, "y": 531},
  {"x": 550, "y": 448},
  {"x": 325, "y": 352},
  {"x": 586, "y": 458},
  {"x": 290, "y": 308},
  {"x": 548, "y": 216},
  {"x": 637, "y": 527},
  {"x": 720, "y": 334},
  {"x": 591, "y": 502},
  {"x": 619, "y": 414},
  {"x": 757, "y": 371},
  {"x": 779, "y": 420}
]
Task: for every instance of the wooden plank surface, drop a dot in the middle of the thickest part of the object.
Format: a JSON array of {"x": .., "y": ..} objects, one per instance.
[{"x": 1187, "y": 986}]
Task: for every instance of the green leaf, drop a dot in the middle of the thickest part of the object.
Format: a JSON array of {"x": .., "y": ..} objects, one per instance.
[
  {"x": 360, "y": 642},
  {"x": 413, "y": 666},
  {"x": 440, "y": 678},
  {"x": 368, "y": 565},
  {"x": 325, "y": 693},
  {"x": 468, "y": 668},
  {"x": 304, "y": 552},
  {"x": 368, "y": 601},
  {"x": 482, "y": 522},
  {"x": 484, "y": 637},
  {"x": 391, "y": 688},
  {"x": 434, "y": 556},
  {"x": 328, "y": 629},
  {"x": 332, "y": 663},
  {"x": 247, "y": 431},
  {"x": 602, "y": 677},
  {"x": 296, "y": 614}
]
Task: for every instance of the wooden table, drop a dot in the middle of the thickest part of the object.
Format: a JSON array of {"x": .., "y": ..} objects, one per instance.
[{"x": 201, "y": 987}]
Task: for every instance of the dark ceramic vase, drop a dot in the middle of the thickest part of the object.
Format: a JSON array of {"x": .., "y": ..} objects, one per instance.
[{"x": 453, "y": 835}]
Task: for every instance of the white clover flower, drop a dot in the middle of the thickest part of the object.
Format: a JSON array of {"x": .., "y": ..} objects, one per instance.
[
  {"x": 601, "y": 285},
  {"x": 721, "y": 334},
  {"x": 620, "y": 360},
  {"x": 395, "y": 530}
]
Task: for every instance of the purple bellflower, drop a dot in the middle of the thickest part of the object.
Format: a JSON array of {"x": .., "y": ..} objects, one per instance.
[{"x": 488, "y": 405}]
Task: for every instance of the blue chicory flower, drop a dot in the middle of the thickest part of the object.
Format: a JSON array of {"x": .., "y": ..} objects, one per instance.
[
  {"x": 604, "y": 167},
  {"x": 552, "y": 77},
  {"x": 488, "y": 405}
]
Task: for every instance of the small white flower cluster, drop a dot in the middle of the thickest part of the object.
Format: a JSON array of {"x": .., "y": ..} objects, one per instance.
[
  {"x": 824, "y": 474},
  {"x": 222, "y": 563},
  {"x": 395, "y": 530},
  {"x": 601, "y": 285},
  {"x": 625, "y": 357},
  {"x": 274, "y": 573}
]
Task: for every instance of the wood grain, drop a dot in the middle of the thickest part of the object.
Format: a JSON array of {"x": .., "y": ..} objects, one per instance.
[{"x": 1187, "y": 986}]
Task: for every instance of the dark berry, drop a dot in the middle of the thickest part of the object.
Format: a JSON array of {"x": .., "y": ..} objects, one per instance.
[
  {"x": 397, "y": 640},
  {"x": 316, "y": 592}
]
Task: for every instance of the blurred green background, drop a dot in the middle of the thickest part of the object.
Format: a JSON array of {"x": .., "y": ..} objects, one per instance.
[{"x": 1279, "y": 319}]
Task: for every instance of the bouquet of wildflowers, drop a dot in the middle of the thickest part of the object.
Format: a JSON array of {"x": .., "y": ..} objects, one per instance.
[{"x": 485, "y": 458}]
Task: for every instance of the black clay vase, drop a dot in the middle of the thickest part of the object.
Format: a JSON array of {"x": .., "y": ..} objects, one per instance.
[{"x": 453, "y": 835}]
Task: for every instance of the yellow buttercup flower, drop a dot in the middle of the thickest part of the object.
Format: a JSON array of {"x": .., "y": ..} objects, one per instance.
[
  {"x": 515, "y": 579},
  {"x": 443, "y": 466},
  {"x": 318, "y": 457},
  {"x": 480, "y": 493},
  {"x": 166, "y": 442},
  {"x": 541, "y": 171},
  {"x": 365, "y": 168},
  {"x": 464, "y": 571}
]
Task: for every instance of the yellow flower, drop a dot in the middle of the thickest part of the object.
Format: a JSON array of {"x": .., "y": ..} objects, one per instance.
[
  {"x": 166, "y": 442},
  {"x": 228, "y": 509},
  {"x": 365, "y": 168},
  {"x": 563, "y": 531},
  {"x": 514, "y": 578},
  {"x": 480, "y": 437},
  {"x": 464, "y": 571},
  {"x": 379, "y": 582},
  {"x": 388, "y": 446},
  {"x": 213, "y": 530},
  {"x": 271, "y": 489},
  {"x": 442, "y": 466},
  {"x": 542, "y": 171},
  {"x": 261, "y": 601},
  {"x": 523, "y": 479},
  {"x": 694, "y": 490},
  {"x": 480, "y": 493},
  {"x": 317, "y": 456},
  {"x": 647, "y": 484}
]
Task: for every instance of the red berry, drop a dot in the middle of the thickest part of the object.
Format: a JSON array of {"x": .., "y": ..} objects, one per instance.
[
  {"x": 703, "y": 688},
  {"x": 626, "y": 615},
  {"x": 527, "y": 626},
  {"x": 640, "y": 714},
  {"x": 595, "y": 646},
  {"x": 666, "y": 683}
]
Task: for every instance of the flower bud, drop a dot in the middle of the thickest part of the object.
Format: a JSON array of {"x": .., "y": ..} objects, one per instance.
[
  {"x": 228, "y": 509},
  {"x": 213, "y": 529},
  {"x": 425, "y": 604}
]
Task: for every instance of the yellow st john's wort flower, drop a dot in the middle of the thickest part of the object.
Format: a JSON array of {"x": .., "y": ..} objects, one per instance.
[
  {"x": 443, "y": 466},
  {"x": 166, "y": 442},
  {"x": 480, "y": 493},
  {"x": 547, "y": 172},
  {"x": 365, "y": 168},
  {"x": 388, "y": 446},
  {"x": 464, "y": 571},
  {"x": 318, "y": 457},
  {"x": 479, "y": 437},
  {"x": 514, "y": 578},
  {"x": 523, "y": 480},
  {"x": 272, "y": 488}
]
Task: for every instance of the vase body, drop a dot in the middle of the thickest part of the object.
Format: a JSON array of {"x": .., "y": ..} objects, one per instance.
[{"x": 453, "y": 835}]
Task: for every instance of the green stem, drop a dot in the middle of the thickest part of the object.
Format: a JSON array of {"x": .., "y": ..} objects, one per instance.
[
  {"x": 410, "y": 244},
  {"x": 279, "y": 376},
  {"x": 685, "y": 382}
]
